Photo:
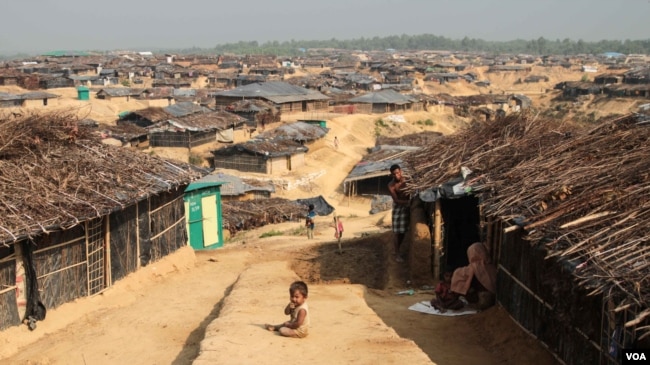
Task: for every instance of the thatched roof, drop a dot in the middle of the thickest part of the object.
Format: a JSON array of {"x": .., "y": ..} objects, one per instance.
[
  {"x": 275, "y": 147},
  {"x": 153, "y": 114},
  {"x": 244, "y": 215},
  {"x": 251, "y": 106},
  {"x": 581, "y": 193},
  {"x": 55, "y": 174},
  {"x": 210, "y": 121}
]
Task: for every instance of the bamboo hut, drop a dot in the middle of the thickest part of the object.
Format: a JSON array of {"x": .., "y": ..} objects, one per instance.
[
  {"x": 273, "y": 156},
  {"x": 565, "y": 213},
  {"x": 78, "y": 215},
  {"x": 195, "y": 129}
]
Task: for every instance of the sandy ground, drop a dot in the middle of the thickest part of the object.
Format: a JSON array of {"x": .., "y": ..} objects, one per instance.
[{"x": 209, "y": 307}]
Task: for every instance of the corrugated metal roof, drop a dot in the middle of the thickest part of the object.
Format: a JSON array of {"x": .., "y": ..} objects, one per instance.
[
  {"x": 234, "y": 185},
  {"x": 8, "y": 96},
  {"x": 35, "y": 95},
  {"x": 387, "y": 96},
  {"x": 278, "y": 90},
  {"x": 379, "y": 161},
  {"x": 184, "y": 92},
  {"x": 369, "y": 169},
  {"x": 120, "y": 91},
  {"x": 185, "y": 108}
]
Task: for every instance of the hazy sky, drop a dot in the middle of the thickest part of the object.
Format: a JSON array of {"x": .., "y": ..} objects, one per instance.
[{"x": 46, "y": 25}]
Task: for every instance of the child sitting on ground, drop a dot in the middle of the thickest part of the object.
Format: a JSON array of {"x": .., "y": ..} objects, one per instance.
[
  {"x": 445, "y": 298},
  {"x": 298, "y": 324}
]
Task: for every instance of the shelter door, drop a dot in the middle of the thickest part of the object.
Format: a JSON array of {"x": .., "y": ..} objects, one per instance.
[
  {"x": 194, "y": 222},
  {"x": 210, "y": 226}
]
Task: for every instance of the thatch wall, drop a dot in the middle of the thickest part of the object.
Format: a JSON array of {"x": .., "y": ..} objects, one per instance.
[
  {"x": 9, "y": 315},
  {"x": 61, "y": 265},
  {"x": 241, "y": 162},
  {"x": 540, "y": 296},
  {"x": 187, "y": 139},
  {"x": 168, "y": 230}
]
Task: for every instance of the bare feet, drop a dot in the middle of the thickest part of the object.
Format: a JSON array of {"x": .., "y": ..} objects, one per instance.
[
  {"x": 270, "y": 327},
  {"x": 398, "y": 258}
]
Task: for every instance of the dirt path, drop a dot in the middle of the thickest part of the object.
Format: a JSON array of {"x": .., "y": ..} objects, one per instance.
[{"x": 161, "y": 314}]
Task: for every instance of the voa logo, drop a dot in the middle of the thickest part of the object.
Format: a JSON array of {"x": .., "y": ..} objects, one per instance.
[{"x": 635, "y": 357}]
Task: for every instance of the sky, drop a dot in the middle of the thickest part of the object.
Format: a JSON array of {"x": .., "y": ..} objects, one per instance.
[{"x": 34, "y": 26}]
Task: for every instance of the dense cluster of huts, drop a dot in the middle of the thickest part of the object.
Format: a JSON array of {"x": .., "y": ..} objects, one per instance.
[
  {"x": 563, "y": 210},
  {"x": 350, "y": 81}
]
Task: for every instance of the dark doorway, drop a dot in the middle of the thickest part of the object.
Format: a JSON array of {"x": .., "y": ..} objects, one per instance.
[{"x": 460, "y": 229}]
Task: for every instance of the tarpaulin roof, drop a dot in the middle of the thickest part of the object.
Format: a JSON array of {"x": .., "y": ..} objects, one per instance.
[{"x": 321, "y": 206}]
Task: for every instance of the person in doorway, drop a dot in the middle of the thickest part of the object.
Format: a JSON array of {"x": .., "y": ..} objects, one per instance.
[
  {"x": 477, "y": 281},
  {"x": 309, "y": 221},
  {"x": 401, "y": 208},
  {"x": 298, "y": 312}
]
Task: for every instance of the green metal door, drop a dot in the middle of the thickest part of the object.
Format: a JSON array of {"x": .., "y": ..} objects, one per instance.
[{"x": 194, "y": 216}]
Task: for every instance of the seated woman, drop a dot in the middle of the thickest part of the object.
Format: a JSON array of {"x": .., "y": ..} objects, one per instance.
[{"x": 478, "y": 277}]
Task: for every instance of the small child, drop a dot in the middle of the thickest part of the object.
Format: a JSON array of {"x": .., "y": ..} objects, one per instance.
[
  {"x": 338, "y": 230},
  {"x": 445, "y": 298},
  {"x": 309, "y": 221},
  {"x": 298, "y": 310}
]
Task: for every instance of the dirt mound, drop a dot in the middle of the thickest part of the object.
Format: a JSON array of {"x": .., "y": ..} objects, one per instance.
[{"x": 363, "y": 261}]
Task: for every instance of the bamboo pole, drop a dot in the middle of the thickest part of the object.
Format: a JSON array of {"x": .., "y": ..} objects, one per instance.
[
  {"x": 87, "y": 244},
  {"x": 107, "y": 255},
  {"x": 437, "y": 239},
  {"x": 586, "y": 219},
  {"x": 137, "y": 235}
]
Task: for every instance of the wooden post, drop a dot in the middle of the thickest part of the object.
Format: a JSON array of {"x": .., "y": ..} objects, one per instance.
[
  {"x": 108, "y": 278},
  {"x": 137, "y": 235},
  {"x": 489, "y": 239},
  {"x": 21, "y": 284},
  {"x": 437, "y": 239}
]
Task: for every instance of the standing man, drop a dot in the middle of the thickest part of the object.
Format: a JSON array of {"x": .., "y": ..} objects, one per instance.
[{"x": 400, "y": 208}]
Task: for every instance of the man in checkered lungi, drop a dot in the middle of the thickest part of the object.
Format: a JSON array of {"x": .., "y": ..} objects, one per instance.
[{"x": 401, "y": 208}]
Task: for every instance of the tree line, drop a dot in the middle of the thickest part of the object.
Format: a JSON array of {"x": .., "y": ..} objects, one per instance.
[{"x": 539, "y": 46}]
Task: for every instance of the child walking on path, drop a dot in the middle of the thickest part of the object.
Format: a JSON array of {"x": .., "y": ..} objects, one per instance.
[
  {"x": 298, "y": 310},
  {"x": 309, "y": 222},
  {"x": 338, "y": 231}
]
